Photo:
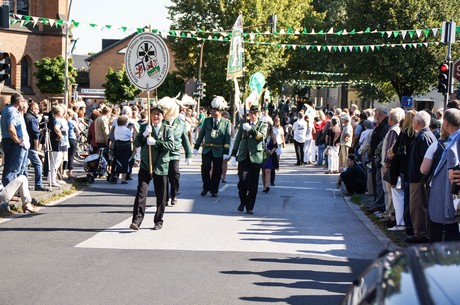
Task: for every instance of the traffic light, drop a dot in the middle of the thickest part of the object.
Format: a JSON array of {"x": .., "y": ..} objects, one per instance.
[
  {"x": 443, "y": 77},
  {"x": 200, "y": 89},
  {"x": 5, "y": 66}
]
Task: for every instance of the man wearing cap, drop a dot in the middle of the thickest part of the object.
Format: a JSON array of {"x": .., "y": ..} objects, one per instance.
[
  {"x": 156, "y": 141},
  {"x": 216, "y": 133},
  {"x": 249, "y": 146}
]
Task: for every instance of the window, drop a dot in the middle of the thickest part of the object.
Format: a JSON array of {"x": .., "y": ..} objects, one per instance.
[
  {"x": 25, "y": 73},
  {"x": 20, "y": 7}
]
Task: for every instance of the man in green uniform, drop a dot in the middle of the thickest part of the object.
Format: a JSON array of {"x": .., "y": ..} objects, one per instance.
[
  {"x": 216, "y": 133},
  {"x": 156, "y": 141},
  {"x": 178, "y": 125},
  {"x": 249, "y": 146}
]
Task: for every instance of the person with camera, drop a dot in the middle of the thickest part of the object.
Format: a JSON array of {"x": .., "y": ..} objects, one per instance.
[{"x": 441, "y": 210}]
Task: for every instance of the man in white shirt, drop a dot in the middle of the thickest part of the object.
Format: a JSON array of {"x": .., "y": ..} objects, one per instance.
[{"x": 300, "y": 134}]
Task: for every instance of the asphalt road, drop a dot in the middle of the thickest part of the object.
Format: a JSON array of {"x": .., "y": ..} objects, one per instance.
[{"x": 304, "y": 244}]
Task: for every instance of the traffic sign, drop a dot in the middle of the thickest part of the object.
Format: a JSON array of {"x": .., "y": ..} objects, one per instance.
[
  {"x": 406, "y": 101},
  {"x": 147, "y": 61},
  {"x": 456, "y": 71}
]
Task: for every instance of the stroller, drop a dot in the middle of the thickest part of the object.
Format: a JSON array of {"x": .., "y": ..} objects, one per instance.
[{"x": 96, "y": 165}]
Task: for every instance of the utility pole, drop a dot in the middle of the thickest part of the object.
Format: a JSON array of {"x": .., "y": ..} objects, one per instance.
[
  {"x": 448, "y": 36},
  {"x": 66, "y": 64},
  {"x": 199, "y": 74}
]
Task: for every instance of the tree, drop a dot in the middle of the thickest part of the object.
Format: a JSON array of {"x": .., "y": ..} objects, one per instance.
[
  {"x": 213, "y": 17},
  {"x": 410, "y": 70},
  {"x": 172, "y": 85},
  {"x": 50, "y": 74},
  {"x": 118, "y": 87}
]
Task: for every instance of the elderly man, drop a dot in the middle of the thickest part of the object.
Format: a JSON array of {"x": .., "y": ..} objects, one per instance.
[
  {"x": 443, "y": 215},
  {"x": 394, "y": 118},
  {"x": 375, "y": 155},
  {"x": 216, "y": 133},
  {"x": 418, "y": 201}
]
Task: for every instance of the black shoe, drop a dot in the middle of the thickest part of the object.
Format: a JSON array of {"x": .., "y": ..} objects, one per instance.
[
  {"x": 213, "y": 195},
  {"x": 272, "y": 183},
  {"x": 240, "y": 208},
  {"x": 249, "y": 212},
  {"x": 224, "y": 181},
  {"x": 173, "y": 201},
  {"x": 134, "y": 226},
  {"x": 203, "y": 193},
  {"x": 266, "y": 190},
  {"x": 416, "y": 240},
  {"x": 409, "y": 231},
  {"x": 157, "y": 226},
  {"x": 42, "y": 189},
  {"x": 375, "y": 209}
]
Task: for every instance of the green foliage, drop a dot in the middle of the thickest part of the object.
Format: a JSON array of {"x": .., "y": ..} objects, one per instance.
[
  {"x": 50, "y": 75},
  {"x": 172, "y": 85},
  {"x": 118, "y": 87},
  {"x": 408, "y": 70},
  {"x": 221, "y": 15}
]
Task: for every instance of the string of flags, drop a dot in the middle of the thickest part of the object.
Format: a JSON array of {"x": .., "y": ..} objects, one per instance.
[
  {"x": 250, "y": 38},
  {"x": 328, "y": 83}
]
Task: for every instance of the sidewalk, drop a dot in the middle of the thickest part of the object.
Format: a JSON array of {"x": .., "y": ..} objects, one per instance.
[{"x": 39, "y": 196}]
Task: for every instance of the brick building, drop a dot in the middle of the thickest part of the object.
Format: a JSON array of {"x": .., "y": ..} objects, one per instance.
[{"x": 27, "y": 44}]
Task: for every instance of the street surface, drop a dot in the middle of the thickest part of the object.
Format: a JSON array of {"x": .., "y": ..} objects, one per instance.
[{"x": 304, "y": 245}]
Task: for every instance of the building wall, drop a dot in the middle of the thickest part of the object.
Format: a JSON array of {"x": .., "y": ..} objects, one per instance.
[{"x": 33, "y": 43}]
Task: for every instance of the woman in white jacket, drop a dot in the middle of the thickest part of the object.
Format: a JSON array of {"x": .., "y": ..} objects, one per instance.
[{"x": 300, "y": 135}]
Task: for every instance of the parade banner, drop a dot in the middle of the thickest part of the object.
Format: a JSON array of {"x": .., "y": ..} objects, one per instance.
[
  {"x": 147, "y": 61},
  {"x": 235, "y": 57}
]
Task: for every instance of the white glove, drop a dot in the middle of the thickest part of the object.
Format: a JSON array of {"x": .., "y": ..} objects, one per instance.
[
  {"x": 226, "y": 157},
  {"x": 195, "y": 152},
  {"x": 246, "y": 126},
  {"x": 188, "y": 161},
  {"x": 233, "y": 161},
  {"x": 151, "y": 141},
  {"x": 148, "y": 130}
]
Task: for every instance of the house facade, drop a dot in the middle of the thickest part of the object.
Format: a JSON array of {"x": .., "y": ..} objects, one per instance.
[{"x": 28, "y": 43}]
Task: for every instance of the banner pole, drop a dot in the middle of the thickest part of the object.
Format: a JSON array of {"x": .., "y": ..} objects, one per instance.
[{"x": 149, "y": 124}]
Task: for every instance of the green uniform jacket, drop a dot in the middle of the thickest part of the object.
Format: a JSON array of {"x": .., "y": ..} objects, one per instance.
[
  {"x": 217, "y": 141},
  {"x": 160, "y": 151},
  {"x": 180, "y": 140},
  {"x": 251, "y": 141}
]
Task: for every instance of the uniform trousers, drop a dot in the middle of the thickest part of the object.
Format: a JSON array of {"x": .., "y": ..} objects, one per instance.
[
  {"x": 173, "y": 179},
  {"x": 211, "y": 181},
  {"x": 248, "y": 174},
  {"x": 160, "y": 185}
]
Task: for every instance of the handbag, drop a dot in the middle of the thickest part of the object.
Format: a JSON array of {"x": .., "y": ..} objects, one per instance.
[{"x": 327, "y": 151}]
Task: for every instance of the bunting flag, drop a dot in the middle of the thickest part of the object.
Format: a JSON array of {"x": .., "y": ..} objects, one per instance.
[{"x": 226, "y": 36}]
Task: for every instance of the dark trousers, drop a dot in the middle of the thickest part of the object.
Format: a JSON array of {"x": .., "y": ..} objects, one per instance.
[
  {"x": 299, "y": 152},
  {"x": 211, "y": 182},
  {"x": 71, "y": 153},
  {"x": 450, "y": 231},
  {"x": 248, "y": 174},
  {"x": 12, "y": 161},
  {"x": 379, "y": 195},
  {"x": 173, "y": 179},
  {"x": 160, "y": 184}
]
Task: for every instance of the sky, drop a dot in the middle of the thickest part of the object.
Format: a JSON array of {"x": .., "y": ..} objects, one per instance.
[{"x": 132, "y": 14}]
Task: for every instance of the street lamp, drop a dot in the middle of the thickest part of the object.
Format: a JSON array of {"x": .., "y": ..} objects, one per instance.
[{"x": 66, "y": 64}]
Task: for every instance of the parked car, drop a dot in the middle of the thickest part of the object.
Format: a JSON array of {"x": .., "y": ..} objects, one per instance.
[{"x": 424, "y": 274}]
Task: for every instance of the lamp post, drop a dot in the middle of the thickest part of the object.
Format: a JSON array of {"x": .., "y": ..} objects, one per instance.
[{"x": 66, "y": 64}]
